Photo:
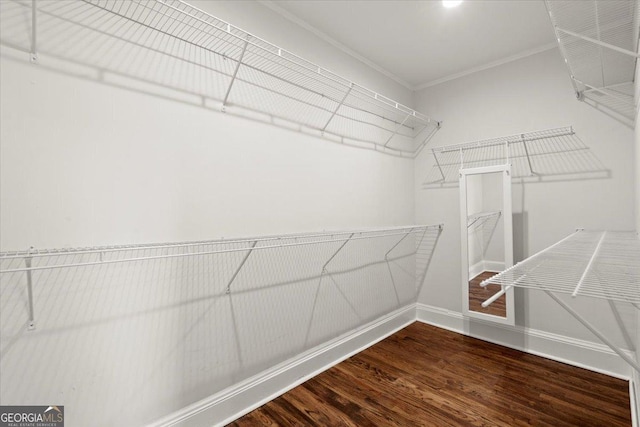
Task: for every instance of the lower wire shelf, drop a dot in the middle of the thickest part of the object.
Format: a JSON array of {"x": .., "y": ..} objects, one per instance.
[{"x": 598, "y": 264}]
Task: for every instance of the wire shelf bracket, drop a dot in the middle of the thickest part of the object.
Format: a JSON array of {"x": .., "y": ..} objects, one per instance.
[
  {"x": 532, "y": 155},
  {"x": 599, "y": 42},
  {"x": 597, "y": 264}
]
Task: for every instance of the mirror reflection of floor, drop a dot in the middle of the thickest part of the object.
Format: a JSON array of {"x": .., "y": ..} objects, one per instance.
[{"x": 478, "y": 295}]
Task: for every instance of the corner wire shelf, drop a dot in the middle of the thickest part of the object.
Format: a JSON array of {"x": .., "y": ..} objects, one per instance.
[
  {"x": 538, "y": 154},
  {"x": 599, "y": 42},
  {"x": 598, "y": 264},
  {"x": 32, "y": 261},
  {"x": 179, "y": 47}
]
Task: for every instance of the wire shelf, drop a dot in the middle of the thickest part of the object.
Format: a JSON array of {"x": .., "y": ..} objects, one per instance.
[
  {"x": 541, "y": 153},
  {"x": 597, "y": 264},
  {"x": 182, "y": 48},
  {"x": 599, "y": 41}
]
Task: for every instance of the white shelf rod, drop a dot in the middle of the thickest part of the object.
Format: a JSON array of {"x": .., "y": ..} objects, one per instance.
[
  {"x": 338, "y": 107},
  {"x": 34, "y": 45},
  {"x": 488, "y": 281},
  {"x": 397, "y": 129},
  {"x": 31, "y": 324},
  {"x": 235, "y": 74},
  {"x": 495, "y": 296},
  {"x": 588, "y": 267},
  {"x": 211, "y": 252},
  {"x": 600, "y": 43},
  {"x": 244, "y": 260},
  {"x": 33, "y": 253},
  {"x": 597, "y": 333},
  {"x": 386, "y": 256}
]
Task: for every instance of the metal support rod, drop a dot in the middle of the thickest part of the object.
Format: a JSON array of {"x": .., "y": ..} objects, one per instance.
[
  {"x": 338, "y": 107},
  {"x": 426, "y": 140},
  {"x": 34, "y": 46},
  {"x": 235, "y": 73},
  {"x": 240, "y": 266},
  {"x": 324, "y": 267},
  {"x": 526, "y": 151},
  {"x": 586, "y": 270},
  {"x": 32, "y": 324},
  {"x": 386, "y": 256},
  {"x": 397, "y": 129},
  {"x": 439, "y": 167},
  {"x": 600, "y": 43},
  {"x": 495, "y": 296},
  {"x": 597, "y": 333}
]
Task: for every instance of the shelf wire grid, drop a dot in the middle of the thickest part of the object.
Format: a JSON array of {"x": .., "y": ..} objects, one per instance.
[
  {"x": 542, "y": 153},
  {"x": 184, "y": 49},
  {"x": 599, "y": 41},
  {"x": 223, "y": 310},
  {"x": 596, "y": 264}
]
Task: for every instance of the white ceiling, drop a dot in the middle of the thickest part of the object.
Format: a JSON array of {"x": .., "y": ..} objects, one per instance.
[{"x": 421, "y": 42}]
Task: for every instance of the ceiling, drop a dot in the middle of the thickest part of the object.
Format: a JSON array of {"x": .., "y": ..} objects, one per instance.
[{"x": 419, "y": 43}]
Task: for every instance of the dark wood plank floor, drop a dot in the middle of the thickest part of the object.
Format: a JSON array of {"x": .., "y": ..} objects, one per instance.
[
  {"x": 478, "y": 295},
  {"x": 426, "y": 376}
]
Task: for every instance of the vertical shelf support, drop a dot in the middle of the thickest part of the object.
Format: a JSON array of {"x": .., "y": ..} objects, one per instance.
[
  {"x": 235, "y": 73},
  {"x": 27, "y": 262},
  {"x": 338, "y": 107},
  {"x": 397, "y": 129},
  {"x": 597, "y": 333},
  {"x": 526, "y": 151},
  {"x": 34, "y": 51},
  {"x": 235, "y": 274},
  {"x": 588, "y": 268}
]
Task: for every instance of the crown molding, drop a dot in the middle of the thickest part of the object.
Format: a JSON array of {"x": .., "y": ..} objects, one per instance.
[
  {"x": 335, "y": 43},
  {"x": 487, "y": 66}
]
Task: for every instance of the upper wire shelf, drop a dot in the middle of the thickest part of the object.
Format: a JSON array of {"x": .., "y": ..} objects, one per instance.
[
  {"x": 180, "y": 47},
  {"x": 538, "y": 154},
  {"x": 599, "y": 264},
  {"x": 46, "y": 259},
  {"x": 599, "y": 41}
]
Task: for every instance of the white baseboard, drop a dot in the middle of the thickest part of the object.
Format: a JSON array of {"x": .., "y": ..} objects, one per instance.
[
  {"x": 485, "y": 265},
  {"x": 584, "y": 354},
  {"x": 233, "y": 402},
  {"x": 496, "y": 266}
]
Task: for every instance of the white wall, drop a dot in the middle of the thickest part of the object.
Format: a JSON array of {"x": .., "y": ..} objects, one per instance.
[
  {"x": 85, "y": 163},
  {"x": 529, "y": 94}
]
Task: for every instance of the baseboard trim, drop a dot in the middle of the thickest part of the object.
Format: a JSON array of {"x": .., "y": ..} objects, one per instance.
[
  {"x": 634, "y": 395},
  {"x": 584, "y": 354},
  {"x": 233, "y": 402}
]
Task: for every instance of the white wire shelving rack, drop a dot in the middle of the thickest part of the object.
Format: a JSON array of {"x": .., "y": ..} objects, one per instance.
[
  {"x": 599, "y": 42},
  {"x": 179, "y": 47},
  {"x": 19, "y": 265},
  {"x": 597, "y": 264},
  {"x": 550, "y": 152}
]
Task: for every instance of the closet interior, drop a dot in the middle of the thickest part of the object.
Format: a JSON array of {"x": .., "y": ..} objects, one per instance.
[{"x": 128, "y": 122}]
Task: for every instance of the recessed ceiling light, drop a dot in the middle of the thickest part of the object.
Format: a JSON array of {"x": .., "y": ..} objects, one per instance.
[{"x": 451, "y": 3}]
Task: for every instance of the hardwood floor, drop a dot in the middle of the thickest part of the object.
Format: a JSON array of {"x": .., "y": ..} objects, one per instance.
[
  {"x": 426, "y": 376},
  {"x": 478, "y": 295}
]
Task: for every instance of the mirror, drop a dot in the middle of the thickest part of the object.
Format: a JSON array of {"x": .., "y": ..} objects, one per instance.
[{"x": 487, "y": 241}]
